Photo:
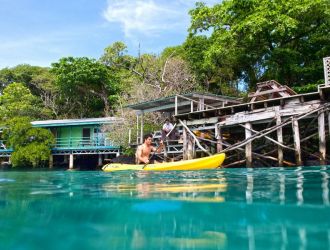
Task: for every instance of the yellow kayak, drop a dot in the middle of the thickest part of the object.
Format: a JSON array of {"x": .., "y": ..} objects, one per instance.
[{"x": 209, "y": 162}]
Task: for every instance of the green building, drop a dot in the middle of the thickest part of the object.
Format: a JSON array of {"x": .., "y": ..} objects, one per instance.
[{"x": 78, "y": 141}]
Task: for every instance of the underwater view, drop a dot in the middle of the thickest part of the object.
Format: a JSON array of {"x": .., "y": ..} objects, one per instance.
[{"x": 263, "y": 208}]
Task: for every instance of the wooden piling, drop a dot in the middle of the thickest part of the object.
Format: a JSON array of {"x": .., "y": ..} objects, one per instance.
[
  {"x": 296, "y": 139},
  {"x": 218, "y": 138},
  {"x": 279, "y": 132},
  {"x": 51, "y": 161},
  {"x": 322, "y": 147},
  {"x": 71, "y": 161},
  {"x": 248, "y": 146},
  {"x": 190, "y": 147},
  {"x": 185, "y": 143}
]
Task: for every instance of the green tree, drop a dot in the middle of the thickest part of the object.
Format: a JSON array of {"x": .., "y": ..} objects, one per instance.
[
  {"x": 31, "y": 145},
  {"x": 248, "y": 41},
  {"x": 16, "y": 101},
  {"x": 85, "y": 83},
  {"x": 38, "y": 80}
]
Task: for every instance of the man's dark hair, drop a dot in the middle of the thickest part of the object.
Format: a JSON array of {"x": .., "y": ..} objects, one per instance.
[{"x": 147, "y": 136}]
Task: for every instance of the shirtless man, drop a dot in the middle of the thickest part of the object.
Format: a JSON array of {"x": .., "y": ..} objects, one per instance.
[{"x": 143, "y": 151}]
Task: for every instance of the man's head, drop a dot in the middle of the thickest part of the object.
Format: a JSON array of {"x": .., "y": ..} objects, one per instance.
[
  {"x": 147, "y": 139},
  {"x": 167, "y": 120}
]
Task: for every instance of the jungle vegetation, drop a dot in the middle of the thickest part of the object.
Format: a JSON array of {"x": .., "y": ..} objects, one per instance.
[{"x": 229, "y": 48}]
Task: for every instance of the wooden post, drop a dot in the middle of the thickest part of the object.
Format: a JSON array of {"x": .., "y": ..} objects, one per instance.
[
  {"x": 248, "y": 146},
  {"x": 137, "y": 128},
  {"x": 322, "y": 147},
  {"x": 129, "y": 136},
  {"x": 296, "y": 138},
  {"x": 176, "y": 105},
  {"x": 185, "y": 144},
  {"x": 100, "y": 162},
  {"x": 65, "y": 160},
  {"x": 190, "y": 153},
  {"x": 71, "y": 161},
  {"x": 51, "y": 161},
  {"x": 279, "y": 139},
  {"x": 326, "y": 67},
  {"x": 201, "y": 105},
  {"x": 142, "y": 125},
  {"x": 218, "y": 138},
  {"x": 191, "y": 106}
]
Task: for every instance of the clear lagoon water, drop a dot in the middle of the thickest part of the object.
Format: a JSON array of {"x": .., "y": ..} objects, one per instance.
[{"x": 277, "y": 208}]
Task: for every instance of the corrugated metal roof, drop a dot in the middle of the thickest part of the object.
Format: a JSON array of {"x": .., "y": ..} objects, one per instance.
[
  {"x": 160, "y": 102},
  {"x": 76, "y": 122}
]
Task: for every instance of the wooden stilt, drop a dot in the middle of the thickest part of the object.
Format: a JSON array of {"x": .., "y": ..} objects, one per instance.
[
  {"x": 142, "y": 125},
  {"x": 176, "y": 105},
  {"x": 279, "y": 139},
  {"x": 190, "y": 153},
  {"x": 137, "y": 129},
  {"x": 248, "y": 146},
  {"x": 51, "y": 161},
  {"x": 129, "y": 136},
  {"x": 185, "y": 143},
  {"x": 296, "y": 139},
  {"x": 218, "y": 138},
  {"x": 100, "y": 161},
  {"x": 71, "y": 161},
  {"x": 322, "y": 147}
]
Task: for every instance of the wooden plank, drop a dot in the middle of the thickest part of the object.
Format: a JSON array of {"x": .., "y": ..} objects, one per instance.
[
  {"x": 248, "y": 146},
  {"x": 267, "y": 113},
  {"x": 203, "y": 121},
  {"x": 322, "y": 147},
  {"x": 266, "y": 92},
  {"x": 296, "y": 139}
]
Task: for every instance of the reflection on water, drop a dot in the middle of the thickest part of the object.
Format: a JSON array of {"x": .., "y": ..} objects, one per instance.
[{"x": 280, "y": 208}]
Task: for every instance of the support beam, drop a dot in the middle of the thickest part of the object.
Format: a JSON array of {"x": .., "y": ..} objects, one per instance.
[
  {"x": 129, "y": 136},
  {"x": 279, "y": 132},
  {"x": 137, "y": 129},
  {"x": 296, "y": 139},
  {"x": 185, "y": 142},
  {"x": 218, "y": 138},
  {"x": 142, "y": 126},
  {"x": 100, "y": 161},
  {"x": 71, "y": 161},
  {"x": 322, "y": 147},
  {"x": 51, "y": 161},
  {"x": 248, "y": 146},
  {"x": 190, "y": 148},
  {"x": 176, "y": 105}
]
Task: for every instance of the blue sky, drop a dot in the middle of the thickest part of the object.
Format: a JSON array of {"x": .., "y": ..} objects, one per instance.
[{"x": 39, "y": 32}]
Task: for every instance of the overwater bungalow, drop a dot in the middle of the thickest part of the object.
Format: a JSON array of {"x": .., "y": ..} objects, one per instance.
[{"x": 79, "y": 142}]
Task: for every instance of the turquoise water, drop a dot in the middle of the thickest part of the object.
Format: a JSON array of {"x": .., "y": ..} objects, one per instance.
[{"x": 221, "y": 209}]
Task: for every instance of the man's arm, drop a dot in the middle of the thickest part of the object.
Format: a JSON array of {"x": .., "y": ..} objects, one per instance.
[{"x": 159, "y": 148}]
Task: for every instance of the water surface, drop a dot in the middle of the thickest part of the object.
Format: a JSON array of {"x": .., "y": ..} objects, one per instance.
[{"x": 220, "y": 209}]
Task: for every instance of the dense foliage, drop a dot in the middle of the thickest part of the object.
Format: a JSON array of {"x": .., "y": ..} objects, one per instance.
[
  {"x": 230, "y": 47},
  {"x": 31, "y": 145},
  {"x": 248, "y": 41}
]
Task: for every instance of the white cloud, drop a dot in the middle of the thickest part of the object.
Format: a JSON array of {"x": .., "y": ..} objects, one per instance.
[{"x": 147, "y": 17}]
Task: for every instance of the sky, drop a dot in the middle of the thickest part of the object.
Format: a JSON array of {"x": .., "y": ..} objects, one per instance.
[{"x": 40, "y": 32}]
